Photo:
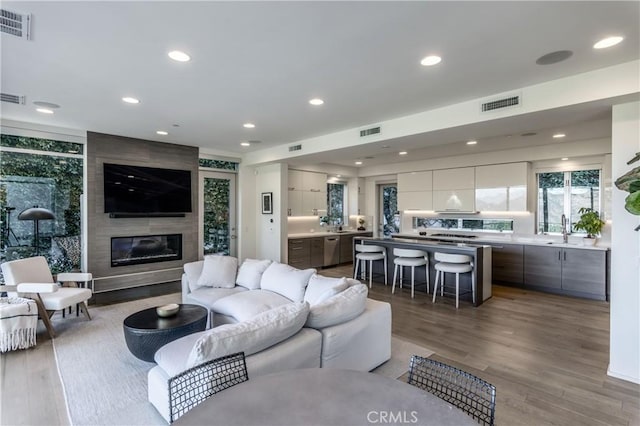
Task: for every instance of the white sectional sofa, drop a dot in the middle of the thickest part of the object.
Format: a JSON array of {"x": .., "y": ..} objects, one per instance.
[{"x": 281, "y": 317}]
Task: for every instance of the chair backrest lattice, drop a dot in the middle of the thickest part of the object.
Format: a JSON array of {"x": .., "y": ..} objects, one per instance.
[
  {"x": 193, "y": 386},
  {"x": 471, "y": 394}
]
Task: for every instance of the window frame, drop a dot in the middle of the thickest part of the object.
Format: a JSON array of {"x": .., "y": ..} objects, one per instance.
[{"x": 566, "y": 208}]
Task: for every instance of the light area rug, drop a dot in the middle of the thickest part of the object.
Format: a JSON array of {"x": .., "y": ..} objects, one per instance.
[{"x": 105, "y": 385}]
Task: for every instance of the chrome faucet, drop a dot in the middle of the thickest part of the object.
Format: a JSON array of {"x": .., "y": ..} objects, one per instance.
[{"x": 565, "y": 234}]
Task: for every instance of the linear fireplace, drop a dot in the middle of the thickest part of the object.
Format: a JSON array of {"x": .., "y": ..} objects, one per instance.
[{"x": 145, "y": 249}]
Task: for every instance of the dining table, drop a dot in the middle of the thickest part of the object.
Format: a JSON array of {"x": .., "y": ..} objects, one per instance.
[{"x": 324, "y": 396}]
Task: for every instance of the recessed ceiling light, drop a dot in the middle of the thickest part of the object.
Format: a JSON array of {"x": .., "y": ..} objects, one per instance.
[
  {"x": 338, "y": 175},
  {"x": 46, "y": 104},
  {"x": 316, "y": 101},
  {"x": 245, "y": 143},
  {"x": 130, "y": 100},
  {"x": 358, "y": 163},
  {"x": 472, "y": 142},
  {"x": 248, "y": 125},
  {"x": 44, "y": 110},
  {"x": 179, "y": 56},
  {"x": 559, "y": 135},
  {"x": 564, "y": 158},
  {"x": 402, "y": 153},
  {"x": 430, "y": 60},
  {"x": 608, "y": 42},
  {"x": 162, "y": 132}
]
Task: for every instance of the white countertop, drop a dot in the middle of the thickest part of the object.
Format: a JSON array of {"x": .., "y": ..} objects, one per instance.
[
  {"x": 326, "y": 234},
  {"x": 510, "y": 239}
]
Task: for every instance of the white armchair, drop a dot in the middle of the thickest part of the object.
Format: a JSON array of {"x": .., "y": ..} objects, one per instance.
[{"x": 32, "y": 278}]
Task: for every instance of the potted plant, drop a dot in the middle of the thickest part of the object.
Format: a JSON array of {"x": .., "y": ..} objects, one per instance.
[
  {"x": 589, "y": 222},
  {"x": 361, "y": 223}
]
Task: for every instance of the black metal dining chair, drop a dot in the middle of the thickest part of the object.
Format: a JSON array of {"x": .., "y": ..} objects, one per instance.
[
  {"x": 471, "y": 394},
  {"x": 193, "y": 386}
]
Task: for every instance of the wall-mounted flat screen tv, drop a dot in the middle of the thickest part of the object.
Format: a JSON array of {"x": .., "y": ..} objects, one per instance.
[{"x": 146, "y": 190}]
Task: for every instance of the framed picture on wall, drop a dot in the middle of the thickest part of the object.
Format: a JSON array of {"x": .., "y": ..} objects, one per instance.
[{"x": 267, "y": 203}]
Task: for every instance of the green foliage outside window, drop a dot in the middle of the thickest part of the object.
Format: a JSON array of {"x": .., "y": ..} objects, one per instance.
[
  {"x": 216, "y": 216},
  {"x": 390, "y": 216},
  {"x": 335, "y": 204},
  {"x": 218, "y": 164},
  {"x": 53, "y": 182},
  {"x": 581, "y": 188}
]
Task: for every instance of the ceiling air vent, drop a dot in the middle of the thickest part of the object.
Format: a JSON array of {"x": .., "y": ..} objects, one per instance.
[
  {"x": 369, "y": 132},
  {"x": 511, "y": 101},
  {"x": 15, "y": 24},
  {"x": 12, "y": 99},
  {"x": 295, "y": 148}
]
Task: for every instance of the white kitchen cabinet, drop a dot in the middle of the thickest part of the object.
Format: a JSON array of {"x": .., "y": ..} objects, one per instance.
[
  {"x": 307, "y": 193},
  {"x": 453, "y": 179},
  {"x": 316, "y": 182},
  {"x": 295, "y": 203},
  {"x": 415, "y": 181},
  {"x": 314, "y": 203},
  {"x": 454, "y": 200},
  {"x": 454, "y": 190},
  {"x": 295, "y": 180},
  {"x": 414, "y": 191},
  {"x": 415, "y": 200},
  {"x": 502, "y": 187}
]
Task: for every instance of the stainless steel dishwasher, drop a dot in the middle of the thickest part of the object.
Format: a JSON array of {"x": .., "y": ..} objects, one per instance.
[{"x": 331, "y": 250}]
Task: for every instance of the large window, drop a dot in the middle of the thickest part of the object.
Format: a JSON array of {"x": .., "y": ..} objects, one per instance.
[
  {"x": 47, "y": 174},
  {"x": 565, "y": 193}
]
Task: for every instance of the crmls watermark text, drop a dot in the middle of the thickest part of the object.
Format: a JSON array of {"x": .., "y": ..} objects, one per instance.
[{"x": 383, "y": 417}]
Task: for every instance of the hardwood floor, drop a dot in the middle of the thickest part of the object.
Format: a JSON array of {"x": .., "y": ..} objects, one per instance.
[{"x": 547, "y": 356}]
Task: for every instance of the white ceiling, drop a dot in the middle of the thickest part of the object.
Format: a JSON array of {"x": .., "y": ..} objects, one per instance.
[{"x": 261, "y": 62}]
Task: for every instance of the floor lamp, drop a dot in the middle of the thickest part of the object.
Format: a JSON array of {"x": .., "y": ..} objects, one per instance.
[{"x": 36, "y": 214}]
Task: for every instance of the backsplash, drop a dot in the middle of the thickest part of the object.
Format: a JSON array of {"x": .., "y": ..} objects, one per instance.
[{"x": 506, "y": 223}]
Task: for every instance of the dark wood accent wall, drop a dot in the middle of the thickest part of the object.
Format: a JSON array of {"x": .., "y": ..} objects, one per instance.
[{"x": 102, "y": 148}]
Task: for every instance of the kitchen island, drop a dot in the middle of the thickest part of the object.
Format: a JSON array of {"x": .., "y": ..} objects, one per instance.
[{"x": 481, "y": 255}]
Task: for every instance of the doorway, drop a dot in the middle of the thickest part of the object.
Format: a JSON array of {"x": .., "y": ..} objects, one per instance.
[{"x": 218, "y": 213}]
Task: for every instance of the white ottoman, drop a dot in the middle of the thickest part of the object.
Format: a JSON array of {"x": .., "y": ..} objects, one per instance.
[{"x": 18, "y": 322}]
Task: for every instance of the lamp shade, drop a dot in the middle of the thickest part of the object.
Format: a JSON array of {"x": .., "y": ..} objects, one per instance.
[{"x": 36, "y": 213}]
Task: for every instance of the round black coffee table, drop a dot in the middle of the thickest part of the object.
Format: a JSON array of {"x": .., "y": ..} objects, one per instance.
[{"x": 145, "y": 332}]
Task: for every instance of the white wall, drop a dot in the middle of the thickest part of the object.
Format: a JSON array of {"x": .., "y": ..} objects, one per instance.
[
  {"x": 271, "y": 229},
  {"x": 624, "y": 348},
  {"x": 247, "y": 202}
]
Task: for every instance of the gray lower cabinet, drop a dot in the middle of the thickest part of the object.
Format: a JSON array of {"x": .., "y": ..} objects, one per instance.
[
  {"x": 346, "y": 248},
  {"x": 543, "y": 267},
  {"x": 584, "y": 271},
  {"x": 577, "y": 272},
  {"x": 300, "y": 253},
  {"x": 507, "y": 263}
]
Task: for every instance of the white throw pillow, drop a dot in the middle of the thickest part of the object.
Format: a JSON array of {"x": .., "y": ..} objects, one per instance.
[
  {"x": 286, "y": 280},
  {"x": 247, "y": 304},
  {"x": 193, "y": 271},
  {"x": 340, "y": 308},
  {"x": 250, "y": 273},
  {"x": 252, "y": 336},
  {"x": 321, "y": 288},
  {"x": 219, "y": 271}
]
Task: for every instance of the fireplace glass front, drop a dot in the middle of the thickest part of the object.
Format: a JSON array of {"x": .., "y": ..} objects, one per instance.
[{"x": 145, "y": 249}]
